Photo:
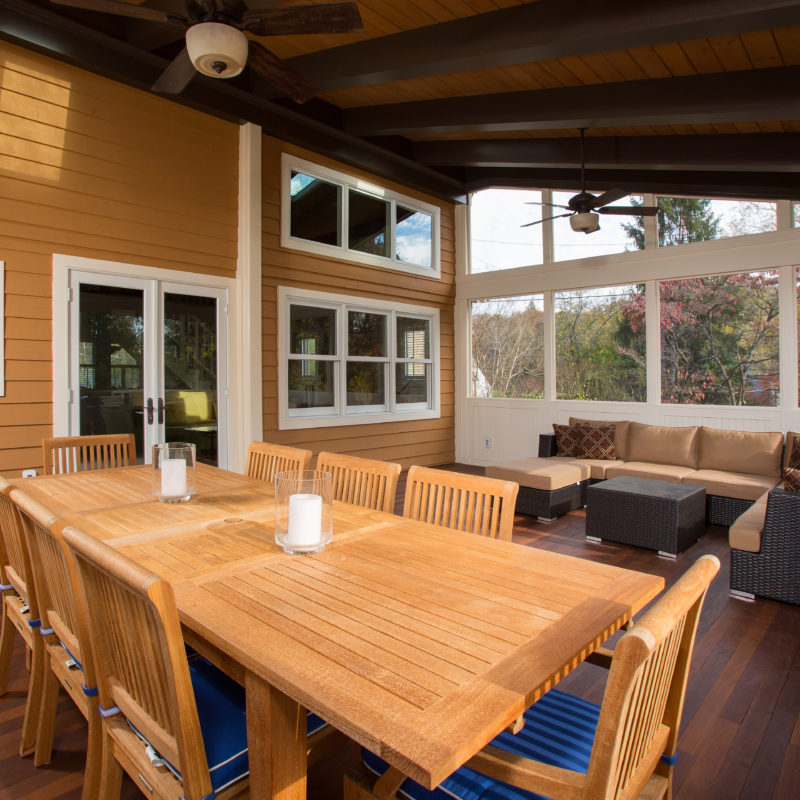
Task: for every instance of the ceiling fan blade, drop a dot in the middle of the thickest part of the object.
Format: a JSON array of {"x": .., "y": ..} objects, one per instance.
[
  {"x": 638, "y": 211},
  {"x": 175, "y": 78},
  {"x": 282, "y": 77},
  {"x": 544, "y": 219},
  {"x": 611, "y": 196},
  {"x": 320, "y": 18},
  {"x": 121, "y": 9},
  {"x": 541, "y": 203}
]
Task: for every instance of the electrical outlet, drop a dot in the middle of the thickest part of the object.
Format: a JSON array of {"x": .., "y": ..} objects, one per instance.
[
  {"x": 487, "y": 442},
  {"x": 29, "y": 473}
]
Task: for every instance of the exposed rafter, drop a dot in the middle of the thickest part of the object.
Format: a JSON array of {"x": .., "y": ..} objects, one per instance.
[
  {"x": 754, "y": 95},
  {"x": 547, "y": 29}
]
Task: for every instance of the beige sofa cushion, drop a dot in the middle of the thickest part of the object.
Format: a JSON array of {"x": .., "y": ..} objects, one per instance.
[
  {"x": 597, "y": 466},
  {"x": 540, "y": 473},
  {"x": 745, "y": 533},
  {"x": 655, "y": 472},
  {"x": 663, "y": 444},
  {"x": 752, "y": 452},
  {"x": 740, "y": 485},
  {"x": 620, "y": 432}
]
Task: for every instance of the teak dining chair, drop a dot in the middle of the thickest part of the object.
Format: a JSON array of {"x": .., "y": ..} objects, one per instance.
[
  {"x": 361, "y": 481},
  {"x": 67, "y": 659},
  {"x": 265, "y": 459},
  {"x": 77, "y": 453},
  {"x": 463, "y": 502},
  {"x": 570, "y": 748},
  {"x": 20, "y": 613}
]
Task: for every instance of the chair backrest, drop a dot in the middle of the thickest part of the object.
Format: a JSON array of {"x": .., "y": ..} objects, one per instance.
[
  {"x": 641, "y": 711},
  {"x": 265, "y": 459},
  {"x": 464, "y": 502},
  {"x": 361, "y": 481},
  {"x": 17, "y": 561},
  {"x": 140, "y": 660},
  {"x": 78, "y": 453},
  {"x": 57, "y": 589}
]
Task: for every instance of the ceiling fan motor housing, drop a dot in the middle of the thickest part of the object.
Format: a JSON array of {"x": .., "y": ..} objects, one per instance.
[
  {"x": 217, "y": 49},
  {"x": 587, "y": 222}
]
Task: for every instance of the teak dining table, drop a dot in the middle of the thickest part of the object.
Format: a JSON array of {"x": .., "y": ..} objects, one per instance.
[{"x": 419, "y": 642}]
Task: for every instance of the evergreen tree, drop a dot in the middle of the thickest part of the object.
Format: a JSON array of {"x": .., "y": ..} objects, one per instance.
[{"x": 680, "y": 220}]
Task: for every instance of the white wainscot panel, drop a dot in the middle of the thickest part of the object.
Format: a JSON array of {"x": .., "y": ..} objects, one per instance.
[
  {"x": 512, "y": 431},
  {"x": 729, "y": 421}
]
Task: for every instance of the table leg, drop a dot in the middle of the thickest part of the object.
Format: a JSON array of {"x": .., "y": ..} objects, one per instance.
[{"x": 276, "y": 738}]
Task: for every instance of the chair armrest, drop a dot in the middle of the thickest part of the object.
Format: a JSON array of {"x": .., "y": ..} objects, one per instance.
[
  {"x": 547, "y": 445},
  {"x": 781, "y": 534}
]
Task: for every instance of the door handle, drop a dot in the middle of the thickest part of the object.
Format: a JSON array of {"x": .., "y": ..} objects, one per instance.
[
  {"x": 149, "y": 408},
  {"x": 160, "y": 410}
]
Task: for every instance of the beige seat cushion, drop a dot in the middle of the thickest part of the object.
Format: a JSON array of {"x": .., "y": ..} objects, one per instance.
[
  {"x": 598, "y": 466},
  {"x": 745, "y": 533},
  {"x": 645, "y": 469},
  {"x": 620, "y": 432},
  {"x": 540, "y": 473},
  {"x": 740, "y": 485},
  {"x": 751, "y": 452},
  {"x": 663, "y": 444}
]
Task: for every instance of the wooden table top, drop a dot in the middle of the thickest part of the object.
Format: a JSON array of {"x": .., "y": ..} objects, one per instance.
[{"x": 418, "y": 642}]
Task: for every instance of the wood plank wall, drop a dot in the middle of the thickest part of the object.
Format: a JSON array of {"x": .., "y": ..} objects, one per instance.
[
  {"x": 427, "y": 442},
  {"x": 89, "y": 167}
]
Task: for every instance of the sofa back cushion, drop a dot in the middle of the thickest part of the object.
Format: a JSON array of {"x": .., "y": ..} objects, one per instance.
[
  {"x": 663, "y": 444},
  {"x": 754, "y": 452},
  {"x": 620, "y": 432}
]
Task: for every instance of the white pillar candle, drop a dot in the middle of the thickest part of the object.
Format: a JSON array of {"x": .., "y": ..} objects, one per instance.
[
  {"x": 173, "y": 477},
  {"x": 305, "y": 520}
]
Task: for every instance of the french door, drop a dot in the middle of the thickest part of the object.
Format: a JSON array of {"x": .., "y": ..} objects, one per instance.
[{"x": 149, "y": 357}]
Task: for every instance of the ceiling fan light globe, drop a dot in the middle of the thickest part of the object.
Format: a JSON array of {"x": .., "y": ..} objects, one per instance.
[
  {"x": 212, "y": 44},
  {"x": 588, "y": 222}
]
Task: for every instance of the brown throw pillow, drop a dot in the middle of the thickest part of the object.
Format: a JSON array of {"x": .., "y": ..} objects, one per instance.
[
  {"x": 794, "y": 455},
  {"x": 568, "y": 439},
  {"x": 791, "y": 479},
  {"x": 597, "y": 442}
]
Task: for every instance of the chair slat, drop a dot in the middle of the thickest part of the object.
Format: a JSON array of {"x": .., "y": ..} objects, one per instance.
[
  {"x": 78, "y": 453},
  {"x": 264, "y": 459},
  {"x": 361, "y": 481}
]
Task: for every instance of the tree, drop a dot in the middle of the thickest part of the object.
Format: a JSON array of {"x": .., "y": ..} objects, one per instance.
[{"x": 680, "y": 220}]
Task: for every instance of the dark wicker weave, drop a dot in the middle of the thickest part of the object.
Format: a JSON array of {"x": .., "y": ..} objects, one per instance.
[
  {"x": 547, "y": 445},
  {"x": 549, "y": 504},
  {"x": 725, "y": 510},
  {"x": 774, "y": 572},
  {"x": 659, "y": 515}
]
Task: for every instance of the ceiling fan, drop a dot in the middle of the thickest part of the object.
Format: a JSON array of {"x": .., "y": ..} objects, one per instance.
[
  {"x": 584, "y": 209},
  {"x": 216, "y": 45}
]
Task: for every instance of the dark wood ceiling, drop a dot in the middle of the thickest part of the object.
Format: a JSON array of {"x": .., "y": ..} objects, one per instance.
[{"x": 680, "y": 96}]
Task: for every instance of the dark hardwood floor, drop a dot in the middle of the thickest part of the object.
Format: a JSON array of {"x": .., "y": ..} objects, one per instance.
[{"x": 741, "y": 729}]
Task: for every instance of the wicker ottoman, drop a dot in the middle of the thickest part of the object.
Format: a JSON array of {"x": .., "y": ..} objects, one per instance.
[{"x": 659, "y": 515}]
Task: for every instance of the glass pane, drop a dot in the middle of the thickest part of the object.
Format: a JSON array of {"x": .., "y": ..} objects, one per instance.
[
  {"x": 311, "y": 384},
  {"x": 190, "y": 373},
  {"x": 696, "y": 219},
  {"x": 368, "y": 224},
  {"x": 366, "y": 334},
  {"x": 312, "y": 331},
  {"x": 110, "y": 362},
  {"x": 617, "y": 234},
  {"x": 600, "y": 344},
  {"x": 365, "y": 384},
  {"x": 796, "y": 215},
  {"x": 411, "y": 383},
  {"x": 413, "y": 338},
  {"x": 719, "y": 340},
  {"x": 498, "y": 240},
  {"x": 413, "y": 237},
  {"x": 315, "y": 209}
]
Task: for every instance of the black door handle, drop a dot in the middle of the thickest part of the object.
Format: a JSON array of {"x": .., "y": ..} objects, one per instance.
[
  {"x": 160, "y": 410},
  {"x": 149, "y": 408}
]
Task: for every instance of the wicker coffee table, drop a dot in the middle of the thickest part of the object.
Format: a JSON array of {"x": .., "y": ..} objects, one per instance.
[{"x": 659, "y": 515}]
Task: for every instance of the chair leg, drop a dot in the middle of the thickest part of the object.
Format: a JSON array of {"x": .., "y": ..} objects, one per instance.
[
  {"x": 6, "y": 649},
  {"x": 94, "y": 758},
  {"x": 110, "y": 770},
  {"x": 34, "y": 702},
  {"x": 47, "y": 715}
]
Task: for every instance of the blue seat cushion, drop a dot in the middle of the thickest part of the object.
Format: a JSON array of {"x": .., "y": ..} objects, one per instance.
[
  {"x": 221, "y": 711},
  {"x": 559, "y": 730}
]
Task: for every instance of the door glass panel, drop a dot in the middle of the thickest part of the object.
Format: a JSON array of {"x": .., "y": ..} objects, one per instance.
[
  {"x": 190, "y": 373},
  {"x": 110, "y": 362}
]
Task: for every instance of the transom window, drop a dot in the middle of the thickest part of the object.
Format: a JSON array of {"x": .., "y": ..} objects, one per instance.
[
  {"x": 349, "y": 360},
  {"x": 329, "y": 213}
]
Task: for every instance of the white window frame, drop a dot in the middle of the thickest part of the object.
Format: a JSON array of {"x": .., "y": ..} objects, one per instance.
[
  {"x": 345, "y": 182},
  {"x": 341, "y": 413}
]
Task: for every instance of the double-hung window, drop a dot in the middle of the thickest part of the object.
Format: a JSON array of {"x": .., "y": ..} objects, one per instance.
[
  {"x": 348, "y": 360},
  {"x": 329, "y": 213}
]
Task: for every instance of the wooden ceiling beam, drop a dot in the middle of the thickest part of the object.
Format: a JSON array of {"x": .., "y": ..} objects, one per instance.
[
  {"x": 764, "y": 152},
  {"x": 547, "y": 29},
  {"x": 746, "y": 96}
]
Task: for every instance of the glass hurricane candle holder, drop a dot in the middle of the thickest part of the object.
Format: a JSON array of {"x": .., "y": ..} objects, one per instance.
[
  {"x": 174, "y": 471},
  {"x": 303, "y": 510}
]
